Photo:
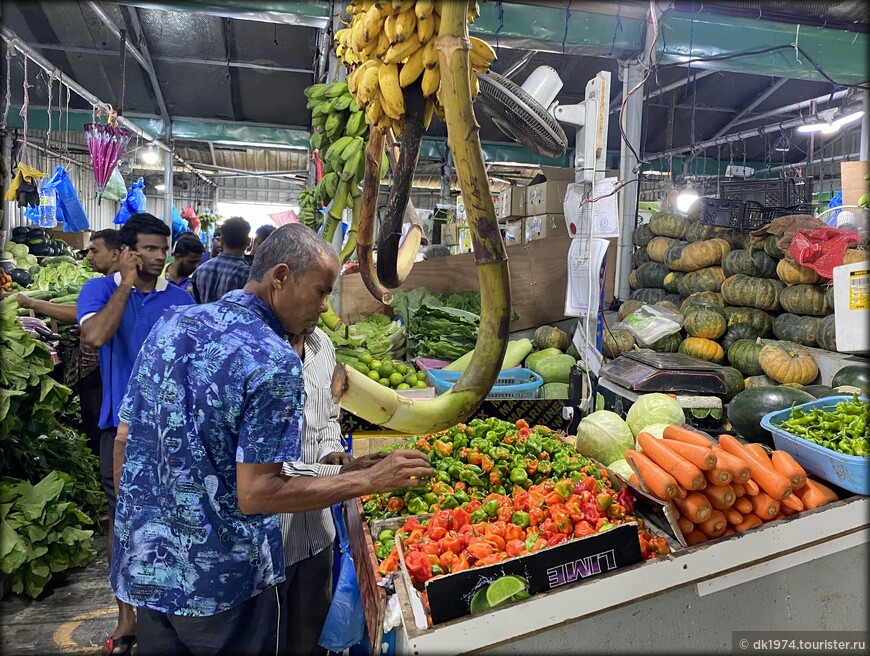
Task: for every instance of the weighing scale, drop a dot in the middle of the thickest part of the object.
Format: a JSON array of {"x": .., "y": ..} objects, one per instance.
[{"x": 664, "y": 372}]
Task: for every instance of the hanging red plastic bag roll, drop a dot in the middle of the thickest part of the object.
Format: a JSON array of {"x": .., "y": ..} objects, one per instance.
[{"x": 822, "y": 249}]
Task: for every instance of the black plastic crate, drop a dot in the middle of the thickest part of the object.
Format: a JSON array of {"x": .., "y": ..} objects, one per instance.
[
  {"x": 768, "y": 193},
  {"x": 722, "y": 213},
  {"x": 758, "y": 217}
]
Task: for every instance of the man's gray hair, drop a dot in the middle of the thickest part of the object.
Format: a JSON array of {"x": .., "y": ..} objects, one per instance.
[{"x": 295, "y": 245}]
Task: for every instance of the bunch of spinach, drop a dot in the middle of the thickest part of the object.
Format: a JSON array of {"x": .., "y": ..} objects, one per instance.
[{"x": 41, "y": 532}]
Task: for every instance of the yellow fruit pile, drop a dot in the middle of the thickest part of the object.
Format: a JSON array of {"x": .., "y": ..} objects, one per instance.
[{"x": 391, "y": 45}]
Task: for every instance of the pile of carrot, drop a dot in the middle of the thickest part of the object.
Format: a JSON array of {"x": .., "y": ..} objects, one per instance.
[{"x": 720, "y": 489}]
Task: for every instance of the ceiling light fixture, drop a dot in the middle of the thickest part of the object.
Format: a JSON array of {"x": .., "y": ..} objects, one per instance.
[
  {"x": 150, "y": 156},
  {"x": 160, "y": 187},
  {"x": 828, "y": 124}
]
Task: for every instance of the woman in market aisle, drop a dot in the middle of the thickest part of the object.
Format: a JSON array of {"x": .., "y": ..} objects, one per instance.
[
  {"x": 104, "y": 254},
  {"x": 213, "y": 410},
  {"x": 308, "y": 537},
  {"x": 227, "y": 271},
  {"x": 187, "y": 256},
  {"x": 116, "y": 313}
]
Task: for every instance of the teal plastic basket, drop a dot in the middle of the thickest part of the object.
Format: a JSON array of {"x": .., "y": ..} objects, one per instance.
[{"x": 510, "y": 384}]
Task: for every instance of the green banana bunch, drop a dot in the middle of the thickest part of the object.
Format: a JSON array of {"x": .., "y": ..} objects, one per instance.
[{"x": 308, "y": 214}]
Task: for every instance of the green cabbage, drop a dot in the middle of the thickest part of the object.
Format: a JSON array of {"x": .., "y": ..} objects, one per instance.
[
  {"x": 651, "y": 409},
  {"x": 604, "y": 436},
  {"x": 622, "y": 468},
  {"x": 656, "y": 430}
]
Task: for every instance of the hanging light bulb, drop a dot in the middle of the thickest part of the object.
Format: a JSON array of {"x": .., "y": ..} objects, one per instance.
[
  {"x": 783, "y": 144},
  {"x": 150, "y": 156},
  {"x": 829, "y": 125},
  {"x": 687, "y": 198}
]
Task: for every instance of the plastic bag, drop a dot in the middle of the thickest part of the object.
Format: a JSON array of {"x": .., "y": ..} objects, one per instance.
[
  {"x": 133, "y": 204},
  {"x": 345, "y": 622},
  {"x": 822, "y": 249},
  {"x": 649, "y": 324},
  {"x": 115, "y": 189},
  {"x": 69, "y": 207},
  {"x": 179, "y": 225}
]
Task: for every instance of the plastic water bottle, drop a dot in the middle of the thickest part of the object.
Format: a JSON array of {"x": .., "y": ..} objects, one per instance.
[{"x": 47, "y": 208}]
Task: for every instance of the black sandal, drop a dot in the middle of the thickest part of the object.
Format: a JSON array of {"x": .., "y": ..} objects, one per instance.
[{"x": 124, "y": 643}]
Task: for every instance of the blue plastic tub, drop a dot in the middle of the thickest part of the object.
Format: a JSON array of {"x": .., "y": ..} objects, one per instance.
[
  {"x": 849, "y": 472},
  {"x": 510, "y": 384}
]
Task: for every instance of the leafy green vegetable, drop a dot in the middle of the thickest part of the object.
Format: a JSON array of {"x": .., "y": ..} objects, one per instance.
[
  {"x": 405, "y": 304},
  {"x": 62, "y": 275},
  {"x": 442, "y": 332}
]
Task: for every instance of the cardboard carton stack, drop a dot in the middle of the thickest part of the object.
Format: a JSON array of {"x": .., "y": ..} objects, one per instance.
[{"x": 537, "y": 211}]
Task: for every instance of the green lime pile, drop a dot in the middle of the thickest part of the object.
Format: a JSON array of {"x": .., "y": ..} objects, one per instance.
[{"x": 391, "y": 373}]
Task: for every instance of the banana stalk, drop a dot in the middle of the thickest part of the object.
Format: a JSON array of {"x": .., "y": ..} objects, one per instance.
[
  {"x": 411, "y": 245},
  {"x": 350, "y": 242},
  {"x": 377, "y": 404},
  {"x": 391, "y": 226},
  {"x": 368, "y": 205},
  {"x": 331, "y": 319}
]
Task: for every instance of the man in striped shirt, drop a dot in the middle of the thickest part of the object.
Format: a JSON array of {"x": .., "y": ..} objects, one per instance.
[{"x": 308, "y": 537}]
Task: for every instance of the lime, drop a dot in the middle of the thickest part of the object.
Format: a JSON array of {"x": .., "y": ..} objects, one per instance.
[
  {"x": 386, "y": 370},
  {"x": 374, "y": 375},
  {"x": 478, "y": 601},
  {"x": 402, "y": 368},
  {"x": 385, "y": 382},
  {"x": 403, "y": 386},
  {"x": 421, "y": 375},
  {"x": 366, "y": 357},
  {"x": 396, "y": 379},
  {"x": 420, "y": 384},
  {"x": 361, "y": 367},
  {"x": 502, "y": 589},
  {"x": 522, "y": 594},
  {"x": 410, "y": 380},
  {"x": 374, "y": 364}
]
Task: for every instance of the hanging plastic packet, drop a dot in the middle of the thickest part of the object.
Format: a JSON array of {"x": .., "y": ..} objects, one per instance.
[
  {"x": 649, "y": 324},
  {"x": 47, "y": 206}
]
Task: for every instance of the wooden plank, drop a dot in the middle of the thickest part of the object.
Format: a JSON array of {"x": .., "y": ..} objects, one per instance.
[
  {"x": 538, "y": 275},
  {"x": 374, "y": 597}
]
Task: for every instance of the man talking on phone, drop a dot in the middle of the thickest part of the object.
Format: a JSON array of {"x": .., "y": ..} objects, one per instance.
[{"x": 116, "y": 313}]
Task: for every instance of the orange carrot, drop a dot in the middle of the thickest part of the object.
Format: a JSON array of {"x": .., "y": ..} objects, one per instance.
[
  {"x": 685, "y": 525},
  {"x": 768, "y": 479},
  {"x": 758, "y": 451},
  {"x": 734, "y": 518},
  {"x": 718, "y": 476},
  {"x": 788, "y": 467},
  {"x": 702, "y": 457},
  {"x": 694, "y": 507},
  {"x": 750, "y": 521},
  {"x": 739, "y": 490},
  {"x": 633, "y": 480},
  {"x": 695, "y": 537},
  {"x": 764, "y": 505},
  {"x": 779, "y": 515},
  {"x": 816, "y": 495},
  {"x": 713, "y": 526},
  {"x": 683, "y": 471},
  {"x": 743, "y": 505},
  {"x": 792, "y": 502},
  {"x": 686, "y": 435},
  {"x": 785, "y": 510},
  {"x": 751, "y": 488},
  {"x": 729, "y": 530},
  {"x": 739, "y": 471},
  {"x": 657, "y": 481},
  {"x": 720, "y": 496}
]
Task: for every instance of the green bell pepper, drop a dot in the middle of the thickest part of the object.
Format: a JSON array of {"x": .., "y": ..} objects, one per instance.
[
  {"x": 470, "y": 478},
  {"x": 490, "y": 508},
  {"x": 518, "y": 475},
  {"x": 385, "y": 535},
  {"x": 449, "y": 502},
  {"x": 478, "y": 516},
  {"x": 461, "y": 496},
  {"x": 418, "y": 506},
  {"x": 520, "y": 518}
]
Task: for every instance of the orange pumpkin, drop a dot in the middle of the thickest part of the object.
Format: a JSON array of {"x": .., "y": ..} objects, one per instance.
[{"x": 787, "y": 362}]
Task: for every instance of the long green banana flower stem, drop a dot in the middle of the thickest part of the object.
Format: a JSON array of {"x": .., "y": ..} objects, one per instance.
[{"x": 380, "y": 405}]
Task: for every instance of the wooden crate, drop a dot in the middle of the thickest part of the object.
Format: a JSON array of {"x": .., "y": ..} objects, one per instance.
[
  {"x": 374, "y": 597},
  {"x": 538, "y": 275}
]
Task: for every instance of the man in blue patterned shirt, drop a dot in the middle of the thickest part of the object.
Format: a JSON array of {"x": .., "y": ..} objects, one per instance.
[{"x": 213, "y": 409}]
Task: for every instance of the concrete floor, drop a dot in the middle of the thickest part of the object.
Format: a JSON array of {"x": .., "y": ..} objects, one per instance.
[{"x": 74, "y": 617}]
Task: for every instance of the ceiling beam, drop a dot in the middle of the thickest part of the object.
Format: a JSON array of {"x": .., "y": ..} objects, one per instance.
[
  {"x": 794, "y": 107},
  {"x": 228, "y": 31},
  {"x": 652, "y": 93},
  {"x": 133, "y": 15}
]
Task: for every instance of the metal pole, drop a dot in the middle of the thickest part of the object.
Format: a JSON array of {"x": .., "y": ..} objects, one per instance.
[
  {"x": 794, "y": 107},
  {"x": 865, "y": 128},
  {"x": 122, "y": 82},
  {"x": 167, "y": 192},
  {"x": 632, "y": 74},
  {"x": 5, "y": 216}
]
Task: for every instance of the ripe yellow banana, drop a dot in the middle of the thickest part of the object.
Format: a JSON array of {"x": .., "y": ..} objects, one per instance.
[
  {"x": 357, "y": 37},
  {"x": 373, "y": 21},
  {"x": 481, "y": 53},
  {"x": 390, "y": 28},
  {"x": 383, "y": 46},
  {"x": 392, "y": 98},
  {"x": 401, "y": 51},
  {"x": 367, "y": 88},
  {"x": 427, "y": 113},
  {"x": 475, "y": 85},
  {"x": 374, "y": 112},
  {"x": 430, "y": 55},
  {"x": 424, "y": 8},
  {"x": 411, "y": 69},
  {"x": 406, "y": 25},
  {"x": 431, "y": 81},
  {"x": 425, "y": 29}
]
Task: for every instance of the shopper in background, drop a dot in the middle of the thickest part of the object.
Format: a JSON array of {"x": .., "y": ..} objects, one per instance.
[
  {"x": 104, "y": 254},
  {"x": 308, "y": 537},
  {"x": 116, "y": 313},
  {"x": 227, "y": 271},
  {"x": 260, "y": 235},
  {"x": 186, "y": 258},
  {"x": 198, "y": 547}
]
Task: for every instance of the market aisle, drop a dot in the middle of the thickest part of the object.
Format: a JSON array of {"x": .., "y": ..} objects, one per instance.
[{"x": 74, "y": 618}]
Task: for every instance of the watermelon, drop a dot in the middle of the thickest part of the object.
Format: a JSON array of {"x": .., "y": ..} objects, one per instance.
[{"x": 747, "y": 408}]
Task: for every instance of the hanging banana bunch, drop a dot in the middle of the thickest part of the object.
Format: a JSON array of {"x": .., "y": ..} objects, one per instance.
[{"x": 357, "y": 393}]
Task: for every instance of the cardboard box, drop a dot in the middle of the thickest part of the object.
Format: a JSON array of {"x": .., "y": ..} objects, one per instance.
[
  {"x": 76, "y": 240},
  {"x": 511, "y": 204},
  {"x": 450, "y": 234},
  {"x": 852, "y": 181},
  {"x": 542, "y": 226},
  {"x": 514, "y": 232},
  {"x": 548, "y": 195}
]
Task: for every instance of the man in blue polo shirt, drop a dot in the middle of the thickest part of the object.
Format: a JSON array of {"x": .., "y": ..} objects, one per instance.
[{"x": 116, "y": 313}]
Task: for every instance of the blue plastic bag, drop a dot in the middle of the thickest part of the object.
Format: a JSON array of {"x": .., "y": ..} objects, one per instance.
[
  {"x": 133, "y": 204},
  {"x": 69, "y": 210},
  {"x": 179, "y": 225},
  {"x": 345, "y": 622}
]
